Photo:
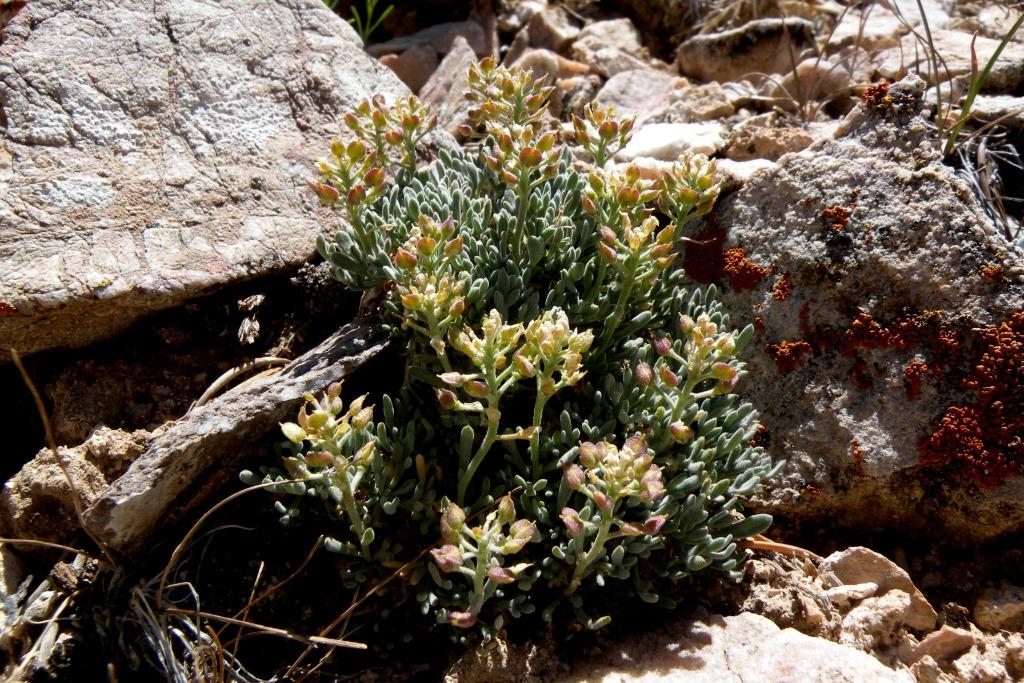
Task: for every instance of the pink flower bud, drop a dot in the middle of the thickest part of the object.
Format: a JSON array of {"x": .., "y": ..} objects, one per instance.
[
  {"x": 680, "y": 432},
  {"x": 644, "y": 374},
  {"x": 445, "y": 398},
  {"x": 462, "y": 619},
  {"x": 356, "y": 195},
  {"x": 723, "y": 372},
  {"x": 571, "y": 519},
  {"x": 607, "y": 252},
  {"x": 588, "y": 454},
  {"x": 653, "y": 525},
  {"x": 457, "y": 308},
  {"x": 667, "y": 376},
  {"x": 426, "y": 245},
  {"x": 405, "y": 259},
  {"x": 650, "y": 484},
  {"x": 453, "y": 247},
  {"x": 588, "y": 205},
  {"x": 447, "y": 557},
  {"x": 506, "y": 510},
  {"x": 607, "y": 235},
  {"x": 453, "y": 379},
  {"x": 500, "y": 575},
  {"x": 662, "y": 345},
  {"x": 602, "y": 500},
  {"x": 630, "y": 529},
  {"x": 452, "y": 522},
  {"x": 573, "y": 475},
  {"x": 476, "y": 389},
  {"x": 319, "y": 459},
  {"x": 524, "y": 366},
  {"x": 519, "y": 534}
]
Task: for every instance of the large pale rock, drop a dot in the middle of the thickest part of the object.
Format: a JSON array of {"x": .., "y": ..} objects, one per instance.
[
  {"x": 610, "y": 47},
  {"x": 762, "y": 46},
  {"x": 746, "y": 648},
  {"x": 860, "y": 565},
  {"x": 872, "y": 276},
  {"x": 195, "y": 455},
  {"x": 954, "y": 47},
  {"x": 668, "y": 141},
  {"x": 638, "y": 92},
  {"x": 445, "y": 93},
  {"x": 155, "y": 149}
]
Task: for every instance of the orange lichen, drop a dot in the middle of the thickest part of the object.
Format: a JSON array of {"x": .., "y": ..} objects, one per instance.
[
  {"x": 836, "y": 217},
  {"x": 759, "y": 324},
  {"x": 985, "y": 441},
  {"x": 783, "y": 288},
  {"x": 743, "y": 273},
  {"x": 788, "y": 355},
  {"x": 7, "y": 309},
  {"x": 877, "y": 95},
  {"x": 855, "y": 450},
  {"x": 992, "y": 272},
  {"x": 913, "y": 376}
]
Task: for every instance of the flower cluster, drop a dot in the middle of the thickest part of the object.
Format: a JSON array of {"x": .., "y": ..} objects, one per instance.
[
  {"x": 562, "y": 381},
  {"x": 479, "y": 553}
]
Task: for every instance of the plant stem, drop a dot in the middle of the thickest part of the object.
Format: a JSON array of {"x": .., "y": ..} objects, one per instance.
[
  {"x": 538, "y": 412},
  {"x": 489, "y": 438},
  {"x": 583, "y": 563}
]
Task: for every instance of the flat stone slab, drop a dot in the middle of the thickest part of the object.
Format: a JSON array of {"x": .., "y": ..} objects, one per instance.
[
  {"x": 153, "y": 150},
  {"x": 191, "y": 458}
]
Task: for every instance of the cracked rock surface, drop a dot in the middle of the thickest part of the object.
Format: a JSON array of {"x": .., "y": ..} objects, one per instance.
[{"x": 154, "y": 150}]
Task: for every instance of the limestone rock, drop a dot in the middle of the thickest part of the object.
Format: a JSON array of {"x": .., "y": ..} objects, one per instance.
[
  {"x": 876, "y": 622},
  {"x": 414, "y": 66},
  {"x": 667, "y": 141},
  {"x": 1006, "y": 109},
  {"x": 744, "y": 648},
  {"x": 195, "y": 455},
  {"x": 689, "y": 103},
  {"x": 877, "y": 285},
  {"x": 610, "y": 47},
  {"x": 945, "y": 644},
  {"x": 445, "y": 93},
  {"x": 767, "y": 142},
  {"x": 1001, "y": 608},
  {"x": 846, "y": 594},
  {"x": 1007, "y": 74},
  {"x": 440, "y": 38},
  {"x": 154, "y": 150},
  {"x": 552, "y": 29},
  {"x": 639, "y": 92},
  {"x": 861, "y": 565},
  {"x": 761, "y": 46}
]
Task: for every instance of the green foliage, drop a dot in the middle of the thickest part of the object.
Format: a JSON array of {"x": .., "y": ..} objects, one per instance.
[
  {"x": 567, "y": 417},
  {"x": 367, "y": 21}
]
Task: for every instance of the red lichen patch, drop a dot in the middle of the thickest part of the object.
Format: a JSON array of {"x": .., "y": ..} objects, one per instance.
[
  {"x": 992, "y": 272},
  {"x": 984, "y": 442},
  {"x": 877, "y": 95},
  {"x": 836, "y": 217},
  {"x": 704, "y": 260},
  {"x": 759, "y": 324},
  {"x": 7, "y": 309},
  {"x": 743, "y": 273},
  {"x": 913, "y": 376},
  {"x": 783, "y": 288},
  {"x": 788, "y": 355},
  {"x": 760, "y": 437},
  {"x": 855, "y": 450}
]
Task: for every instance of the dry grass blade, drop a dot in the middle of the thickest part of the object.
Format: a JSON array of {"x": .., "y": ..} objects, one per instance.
[
  {"x": 237, "y": 371},
  {"x": 313, "y": 641}
]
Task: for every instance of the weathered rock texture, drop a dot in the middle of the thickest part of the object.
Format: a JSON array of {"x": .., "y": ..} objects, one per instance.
[
  {"x": 763, "y": 46},
  {"x": 887, "y": 363},
  {"x": 152, "y": 150},
  {"x": 200, "y": 452},
  {"x": 746, "y": 648}
]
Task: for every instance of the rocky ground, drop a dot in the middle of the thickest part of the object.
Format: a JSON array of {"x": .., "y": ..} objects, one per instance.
[{"x": 157, "y": 271}]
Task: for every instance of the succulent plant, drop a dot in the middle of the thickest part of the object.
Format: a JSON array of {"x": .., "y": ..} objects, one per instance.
[{"x": 567, "y": 415}]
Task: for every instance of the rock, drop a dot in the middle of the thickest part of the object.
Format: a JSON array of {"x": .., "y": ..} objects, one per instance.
[
  {"x": 577, "y": 92},
  {"x": 994, "y": 21},
  {"x": 663, "y": 23},
  {"x": 761, "y": 46},
  {"x": 639, "y": 92},
  {"x": 445, "y": 93},
  {"x": 813, "y": 79},
  {"x": 790, "y": 596},
  {"x": 1001, "y": 608},
  {"x": 735, "y": 173},
  {"x": 1008, "y": 110},
  {"x": 12, "y": 573},
  {"x": 38, "y": 502},
  {"x": 414, "y": 66},
  {"x": 873, "y": 28},
  {"x": 745, "y": 647},
  {"x": 195, "y": 455},
  {"x": 1007, "y": 74},
  {"x": 519, "y": 15},
  {"x": 440, "y": 38},
  {"x": 876, "y": 622},
  {"x": 934, "y": 11},
  {"x": 552, "y": 29},
  {"x": 945, "y": 644},
  {"x": 890, "y": 286},
  {"x": 993, "y": 659},
  {"x": 667, "y": 141},
  {"x": 845, "y": 595},
  {"x": 610, "y": 47},
  {"x": 152, "y": 151},
  {"x": 688, "y": 103},
  {"x": 550, "y": 66},
  {"x": 765, "y": 142},
  {"x": 861, "y": 565}
]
